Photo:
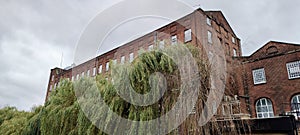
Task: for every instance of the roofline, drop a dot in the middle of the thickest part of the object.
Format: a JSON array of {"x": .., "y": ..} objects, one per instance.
[
  {"x": 272, "y": 41},
  {"x": 219, "y": 11}
]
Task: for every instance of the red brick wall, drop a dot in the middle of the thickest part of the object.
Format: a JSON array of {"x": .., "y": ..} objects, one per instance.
[
  {"x": 278, "y": 88},
  {"x": 195, "y": 21}
]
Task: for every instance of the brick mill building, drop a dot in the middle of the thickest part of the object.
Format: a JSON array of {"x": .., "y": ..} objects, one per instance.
[
  {"x": 264, "y": 84},
  {"x": 271, "y": 78}
]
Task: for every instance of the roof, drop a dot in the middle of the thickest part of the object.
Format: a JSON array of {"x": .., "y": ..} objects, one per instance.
[
  {"x": 219, "y": 17},
  {"x": 272, "y": 49}
]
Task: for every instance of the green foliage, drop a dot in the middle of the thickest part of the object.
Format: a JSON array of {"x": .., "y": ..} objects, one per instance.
[
  {"x": 62, "y": 115},
  {"x": 12, "y": 121}
]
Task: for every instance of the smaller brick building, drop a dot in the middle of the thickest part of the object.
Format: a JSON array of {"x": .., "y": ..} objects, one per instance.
[{"x": 272, "y": 80}]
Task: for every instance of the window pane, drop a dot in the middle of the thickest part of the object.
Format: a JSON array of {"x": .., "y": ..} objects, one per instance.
[
  {"x": 188, "y": 35},
  {"x": 258, "y": 109},
  {"x": 259, "y": 115},
  {"x": 100, "y": 69},
  {"x": 88, "y": 73},
  {"x": 131, "y": 57},
  {"x": 174, "y": 40},
  {"x": 209, "y": 37},
  {"x": 259, "y": 76},
  {"x": 107, "y": 66},
  {"x": 208, "y": 21},
  {"x": 234, "y": 53},
  {"x": 150, "y": 47},
  {"x": 122, "y": 59},
  {"x": 94, "y": 71},
  {"x": 264, "y": 108},
  {"x": 162, "y": 44},
  {"x": 263, "y": 102},
  {"x": 293, "y": 69},
  {"x": 270, "y": 108}
]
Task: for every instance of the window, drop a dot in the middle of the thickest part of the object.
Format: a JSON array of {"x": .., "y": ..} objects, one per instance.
[
  {"x": 150, "y": 47},
  {"x": 107, "y": 66},
  {"x": 122, "y": 59},
  {"x": 295, "y": 105},
  {"x": 259, "y": 76},
  {"x": 187, "y": 35},
  {"x": 114, "y": 61},
  {"x": 234, "y": 53},
  {"x": 209, "y": 37},
  {"x": 55, "y": 85},
  {"x": 233, "y": 40},
  {"x": 272, "y": 50},
  {"x": 100, "y": 69},
  {"x": 50, "y": 89},
  {"x": 293, "y": 69},
  {"x": 88, "y": 73},
  {"x": 193, "y": 110},
  {"x": 208, "y": 21},
  {"x": 52, "y": 78},
  {"x": 264, "y": 108},
  {"x": 227, "y": 49},
  {"x": 77, "y": 77},
  {"x": 94, "y": 71},
  {"x": 174, "y": 40},
  {"x": 72, "y": 78},
  {"x": 131, "y": 57},
  {"x": 161, "y": 44},
  {"x": 82, "y": 74}
]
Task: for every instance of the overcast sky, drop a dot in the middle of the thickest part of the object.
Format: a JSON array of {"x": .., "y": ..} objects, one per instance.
[{"x": 36, "y": 34}]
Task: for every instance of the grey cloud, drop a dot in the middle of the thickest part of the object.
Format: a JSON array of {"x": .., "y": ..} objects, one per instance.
[
  {"x": 256, "y": 21},
  {"x": 34, "y": 34}
]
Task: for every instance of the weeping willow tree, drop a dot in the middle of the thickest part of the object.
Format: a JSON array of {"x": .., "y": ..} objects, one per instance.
[
  {"x": 65, "y": 111},
  {"x": 12, "y": 121}
]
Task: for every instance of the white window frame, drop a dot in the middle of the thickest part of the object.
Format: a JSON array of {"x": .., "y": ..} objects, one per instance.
[
  {"x": 162, "y": 44},
  {"x": 208, "y": 21},
  {"x": 193, "y": 111},
  {"x": 261, "y": 74},
  {"x": 100, "y": 69},
  {"x": 264, "y": 108},
  {"x": 234, "y": 52},
  {"x": 150, "y": 47},
  {"x": 114, "y": 61},
  {"x": 52, "y": 78},
  {"x": 77, "y": 77},
  {"x": 123, "y": 59},
  {"x": 188, "y": 35},
  {"x": 209, "y": 37},
  {"x": 295, "y": 101},
  {"x": 131, "y": 57},
  {"x": 88, "y": 73},
  {"x": 94, "y": 71},
  {"x": 72, "y": 78},
  {"x": 55, "y": 86},
  {"x": 50, "y": 89},
  {"x": 82, "y": 74},
  {"x": 233, "y": 39},
  {"x": 293, "y": 69},
  {"x": 174, "y": 40},
  {"x": 107, "y": 66}
]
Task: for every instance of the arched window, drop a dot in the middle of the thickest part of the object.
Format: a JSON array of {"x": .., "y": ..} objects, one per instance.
[
  {"x": 295, "y": 105},
  {"x": 264, "y": 108}
]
